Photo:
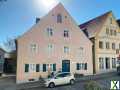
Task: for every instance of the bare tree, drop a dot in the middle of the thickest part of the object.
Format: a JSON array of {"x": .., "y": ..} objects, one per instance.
[{"x": 10, "y": 44}]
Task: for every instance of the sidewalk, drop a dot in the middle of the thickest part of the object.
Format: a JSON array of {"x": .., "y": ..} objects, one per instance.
[
  {"x": 96, "y": 76},
  {"x": 7, "y": 76},
  {"x": 30, "y": 85}
]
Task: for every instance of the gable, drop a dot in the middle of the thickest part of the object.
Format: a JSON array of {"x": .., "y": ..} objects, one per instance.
[
  {"x": 94, "y": 26},
  {"x": 50, "y": 20},
  {"x": 110, "y": 27}
]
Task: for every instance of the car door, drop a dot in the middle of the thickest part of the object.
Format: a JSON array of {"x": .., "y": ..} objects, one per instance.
[
  {"x": 59, "y": 79},
  {"x": 66, "y": 78}
]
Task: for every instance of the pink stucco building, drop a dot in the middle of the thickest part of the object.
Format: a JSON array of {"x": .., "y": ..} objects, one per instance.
[{"x": 54, "y": 43}]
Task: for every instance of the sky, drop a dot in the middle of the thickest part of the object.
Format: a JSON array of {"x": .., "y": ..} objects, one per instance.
[{"x": 18, "y": 16}]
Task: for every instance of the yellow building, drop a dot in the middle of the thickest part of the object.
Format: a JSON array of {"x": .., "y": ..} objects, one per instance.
[{"x": 103, "y": 31}]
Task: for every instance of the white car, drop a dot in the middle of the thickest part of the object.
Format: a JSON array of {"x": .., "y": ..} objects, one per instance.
[{"x": 60, "y": 79}]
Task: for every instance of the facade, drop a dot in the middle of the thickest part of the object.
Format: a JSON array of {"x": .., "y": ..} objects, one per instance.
[
  {"x": 54, "y": 43},
  {"x": 103, "y": 31},
  {"x": 2, "y": 52}
]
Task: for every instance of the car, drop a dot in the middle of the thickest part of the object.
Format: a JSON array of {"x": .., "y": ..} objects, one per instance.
[{"x": 60, "y": 79}]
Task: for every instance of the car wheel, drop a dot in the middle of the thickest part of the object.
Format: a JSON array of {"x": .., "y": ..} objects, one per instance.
[
  {"x": 52, "y": 85},
  {"x": 72, "y": 82}
]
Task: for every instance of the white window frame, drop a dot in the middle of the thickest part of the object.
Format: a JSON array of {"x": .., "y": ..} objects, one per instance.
[
  {"x": 66, "y": 49},
  {"x": 32, "y": 68}
]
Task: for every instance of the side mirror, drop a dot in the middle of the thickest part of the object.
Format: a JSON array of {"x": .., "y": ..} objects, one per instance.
[{"x": 56, "y": 77}]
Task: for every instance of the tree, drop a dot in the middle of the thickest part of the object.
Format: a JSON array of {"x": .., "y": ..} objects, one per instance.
[{"x": 10, "y": 44}]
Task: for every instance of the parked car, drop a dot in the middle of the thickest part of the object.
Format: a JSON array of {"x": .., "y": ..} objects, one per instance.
[
  {"x": 118, "y": 70},
  {"x": 60, "y": 79}
]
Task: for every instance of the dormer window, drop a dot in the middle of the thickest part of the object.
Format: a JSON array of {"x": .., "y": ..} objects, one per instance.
[{"x": 59, "y": 18}]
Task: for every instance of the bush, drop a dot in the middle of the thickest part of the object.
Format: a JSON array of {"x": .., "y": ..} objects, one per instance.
[{"x": 92, "y": 85}]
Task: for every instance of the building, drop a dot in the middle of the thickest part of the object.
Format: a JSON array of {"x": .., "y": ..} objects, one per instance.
[
  {"x": 54, "y": 43},
  {"x": 10, "y": 62},
  {"x": 2, "y": 52},
  {"x": 103, "y": 31}
]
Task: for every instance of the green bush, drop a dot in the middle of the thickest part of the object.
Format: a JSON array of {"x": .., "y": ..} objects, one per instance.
[{"x": 92, "y": 85}]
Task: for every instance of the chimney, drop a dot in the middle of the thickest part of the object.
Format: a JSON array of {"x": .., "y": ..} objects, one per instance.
[{"x": 37, "y": 20}]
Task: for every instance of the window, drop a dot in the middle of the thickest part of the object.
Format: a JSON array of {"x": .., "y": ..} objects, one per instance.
[
  {"x": 26, "y": 67},
  {"x": 54, "y": 67},
  {"x": 100, "y": 44},
  {"x": 32, "y": 67},
  {"x": 101, "y": 63},
  {"x": 37, "y": 67},
  {"x": 111, "y": 32},
  {"x": 115, "y": 33},
  {"x": 107, "y": 31},
  {"x": 0, "y": 56},
  {"x": 119, "y": 45},
  {"x": 59, "y": 18},
  {"x": 66, "y": 49},
  {"x": 107, "y": 45},
  {"x": 47, "y": 67},
  {"x": 50, "y": 31},
  {"x": 44, "y": 67},
  {"x": 77, "y": 68},
  {"x": 113, "y": 46},
  {"x": 117, "y": 51},
  {"x": 33, "y": 47},
  {"x": 50, "y": 48},
  {"x": 81, "y": 66},
  {"x": 51, "y": 67},
  {"x": 66, "y": 33},
  {"x": 111, "y": 20},
  {"x": 85, "y": 66},
  {"x": 113, "y": 63}
]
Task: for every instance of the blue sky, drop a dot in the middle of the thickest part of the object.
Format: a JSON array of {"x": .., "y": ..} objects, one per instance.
[{"x": 17, "y": 16}]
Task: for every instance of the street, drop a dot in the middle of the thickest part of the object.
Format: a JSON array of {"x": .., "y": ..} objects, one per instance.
[
  {"x": 80, "y": 85},
  {"x": 9, "y": 84}
]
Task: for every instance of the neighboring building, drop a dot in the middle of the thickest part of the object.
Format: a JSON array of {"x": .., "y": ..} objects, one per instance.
[
  {"x": 103, "y": 31},
  {"x": 2, "y": 52},
  {"x": 10, "y": 62},
  {"x": 54, "y": 43}
]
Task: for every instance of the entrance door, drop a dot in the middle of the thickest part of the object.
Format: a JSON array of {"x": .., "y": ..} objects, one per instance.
[
  {"x": 107, "y": 63},
  {"x": 66, "y": 66}
]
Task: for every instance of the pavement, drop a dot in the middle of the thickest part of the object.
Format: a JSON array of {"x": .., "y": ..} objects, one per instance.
[{"x": 8, "y": 83}]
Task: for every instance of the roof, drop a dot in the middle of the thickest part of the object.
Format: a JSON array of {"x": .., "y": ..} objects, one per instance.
[{"x": 93, "y": 26}]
